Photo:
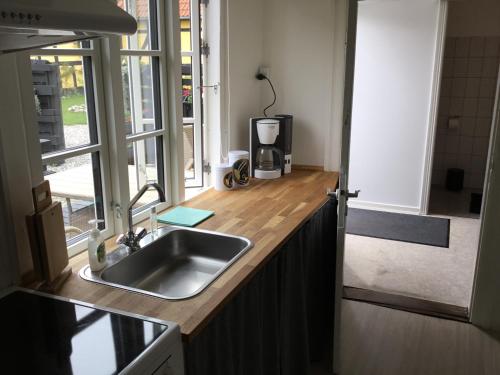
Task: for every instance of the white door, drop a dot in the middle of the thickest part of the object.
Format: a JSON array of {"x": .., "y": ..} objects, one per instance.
[
  {"x": 485, "y": 304},
  {"x": 342, "y": 192}
]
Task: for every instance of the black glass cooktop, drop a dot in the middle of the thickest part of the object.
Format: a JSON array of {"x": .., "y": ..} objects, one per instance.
[{"x": 42, "y": 335}]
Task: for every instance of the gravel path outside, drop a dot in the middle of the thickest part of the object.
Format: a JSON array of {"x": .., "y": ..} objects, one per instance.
[{"x": 74, "y": 136}]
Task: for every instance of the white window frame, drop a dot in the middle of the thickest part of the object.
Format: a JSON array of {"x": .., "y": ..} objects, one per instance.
[
  {"x": 115, "y": 55},
  {"x": 196, "y": 120},
  {"x": 112, "y": 139},
  {"x": 101, "y": 146}
]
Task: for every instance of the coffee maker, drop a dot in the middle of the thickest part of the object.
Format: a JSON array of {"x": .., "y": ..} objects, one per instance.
[{"x": 271, "y": 146}]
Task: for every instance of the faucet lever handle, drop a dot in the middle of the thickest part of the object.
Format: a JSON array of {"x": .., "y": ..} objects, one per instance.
[
  {"x": 121, "y": 239},
  {"x": 140, "y": 233}
]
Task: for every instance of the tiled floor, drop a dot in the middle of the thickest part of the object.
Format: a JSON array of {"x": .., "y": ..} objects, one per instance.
[{"x": 450, "y": 203}]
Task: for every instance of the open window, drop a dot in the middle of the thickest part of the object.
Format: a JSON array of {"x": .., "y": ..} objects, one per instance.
[
  {"x": 189, "y": 13},
  {"x": 140, "y": 67},
  {"x": 71, "y": 136},
  {"x": 95, "y": 158}
]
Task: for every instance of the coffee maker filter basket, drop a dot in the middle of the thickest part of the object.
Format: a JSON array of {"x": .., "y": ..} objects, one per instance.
[{"x": 268, "y": 130}]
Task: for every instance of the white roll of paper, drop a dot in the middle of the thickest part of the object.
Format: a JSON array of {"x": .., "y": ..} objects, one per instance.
[{"x": 223, "y": 177}]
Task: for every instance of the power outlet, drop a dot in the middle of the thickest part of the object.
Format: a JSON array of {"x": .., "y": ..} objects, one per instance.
[{"x": 265, "y": 70}]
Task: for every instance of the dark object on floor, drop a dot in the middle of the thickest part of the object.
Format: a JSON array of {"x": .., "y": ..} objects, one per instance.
[
  {"x": 455, "y": 179},
  {"x": 425, "y": 230},
  {"x": 476, "y": 199}
]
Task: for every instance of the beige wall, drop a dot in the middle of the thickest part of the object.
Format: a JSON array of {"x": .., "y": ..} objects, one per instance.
[
  {"x": 469, "y": 77},
  {"x": 298, "y": 48},
  {"x": 474, "y": 18},
  {"x": 245, "y": 41},
  {"x": 295, "y": 40},
  {"x": 15, "y": 154}
]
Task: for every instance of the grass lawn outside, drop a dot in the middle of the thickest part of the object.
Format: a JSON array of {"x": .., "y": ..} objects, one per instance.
[{"x": 73, "y": 118}]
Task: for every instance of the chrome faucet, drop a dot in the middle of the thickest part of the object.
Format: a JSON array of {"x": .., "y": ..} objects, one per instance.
[{"x": 131, "y": 239}]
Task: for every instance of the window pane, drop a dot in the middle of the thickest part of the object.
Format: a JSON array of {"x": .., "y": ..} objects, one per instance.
[
  {"x": 141, "y": 40},
  {"x": 144, "y": 167},
  {"x": 187, "y": 87},
  {"x": 185, "y": 21},
  {"x": 74, "y": 182},
  {"x": 138, "y": 94},
  {"x": 61, "y": 102},
  {"x": 188, "y": 137}
]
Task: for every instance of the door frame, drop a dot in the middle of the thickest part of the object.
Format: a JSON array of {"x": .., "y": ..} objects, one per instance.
[
  {"x": 484, "y": 302},
  {"x": 479, "y": 313},
  {"x": 351, "y": 15},
  {"x": 434, "y": 108}
]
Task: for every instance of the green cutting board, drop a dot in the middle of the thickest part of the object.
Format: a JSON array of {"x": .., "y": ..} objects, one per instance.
[{"x": 185, "y": 216}]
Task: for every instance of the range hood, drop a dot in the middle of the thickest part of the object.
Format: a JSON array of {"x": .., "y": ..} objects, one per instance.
[{"x": 28, "y": 24}]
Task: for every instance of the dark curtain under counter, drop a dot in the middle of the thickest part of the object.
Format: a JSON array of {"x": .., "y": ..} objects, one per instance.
[{"x": 282, "y": 320}]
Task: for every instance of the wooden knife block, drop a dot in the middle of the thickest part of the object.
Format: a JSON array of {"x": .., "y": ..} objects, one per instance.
[{"x": 52, "y": 241}]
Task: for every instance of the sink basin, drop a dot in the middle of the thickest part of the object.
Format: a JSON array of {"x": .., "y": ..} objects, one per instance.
[{"x": 179, "y": 263}]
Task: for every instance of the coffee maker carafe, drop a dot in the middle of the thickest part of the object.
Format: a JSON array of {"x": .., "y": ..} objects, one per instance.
[{"x": 269, "y": 160}]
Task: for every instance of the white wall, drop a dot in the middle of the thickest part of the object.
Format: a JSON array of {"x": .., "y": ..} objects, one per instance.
[
  {"x": 298, "y": 48},
  {"x": 295, "y": 40},
  {"x": 395, "y": 52},
  {"x": 245, "y": 42}
]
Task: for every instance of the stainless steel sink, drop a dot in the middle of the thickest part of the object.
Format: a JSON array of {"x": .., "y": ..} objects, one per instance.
[{"x": 179, "y": 263}]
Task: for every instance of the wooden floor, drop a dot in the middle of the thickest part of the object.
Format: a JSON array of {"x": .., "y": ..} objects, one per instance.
[{"x": 382, "y": 341}]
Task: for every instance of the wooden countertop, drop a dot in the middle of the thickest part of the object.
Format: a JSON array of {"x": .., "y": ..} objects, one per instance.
[{"x": 267, "y": 212}]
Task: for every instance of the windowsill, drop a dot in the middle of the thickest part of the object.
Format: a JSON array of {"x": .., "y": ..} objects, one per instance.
[{"x": 190, "y": 193}]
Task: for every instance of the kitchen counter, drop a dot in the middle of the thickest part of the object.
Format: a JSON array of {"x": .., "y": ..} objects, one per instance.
[{"x": 267, "y": 212}]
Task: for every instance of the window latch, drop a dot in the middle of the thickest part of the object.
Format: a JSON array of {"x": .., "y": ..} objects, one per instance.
[
  {"x": 118, "y": 209},
  {"x": 205, "y": 49},
  {"x": 214, "y": 86},
  {"x": 207, "y": 168}
]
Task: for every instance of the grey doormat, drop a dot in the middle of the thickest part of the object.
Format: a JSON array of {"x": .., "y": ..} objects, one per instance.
[{"x": 425, "y": 230}]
